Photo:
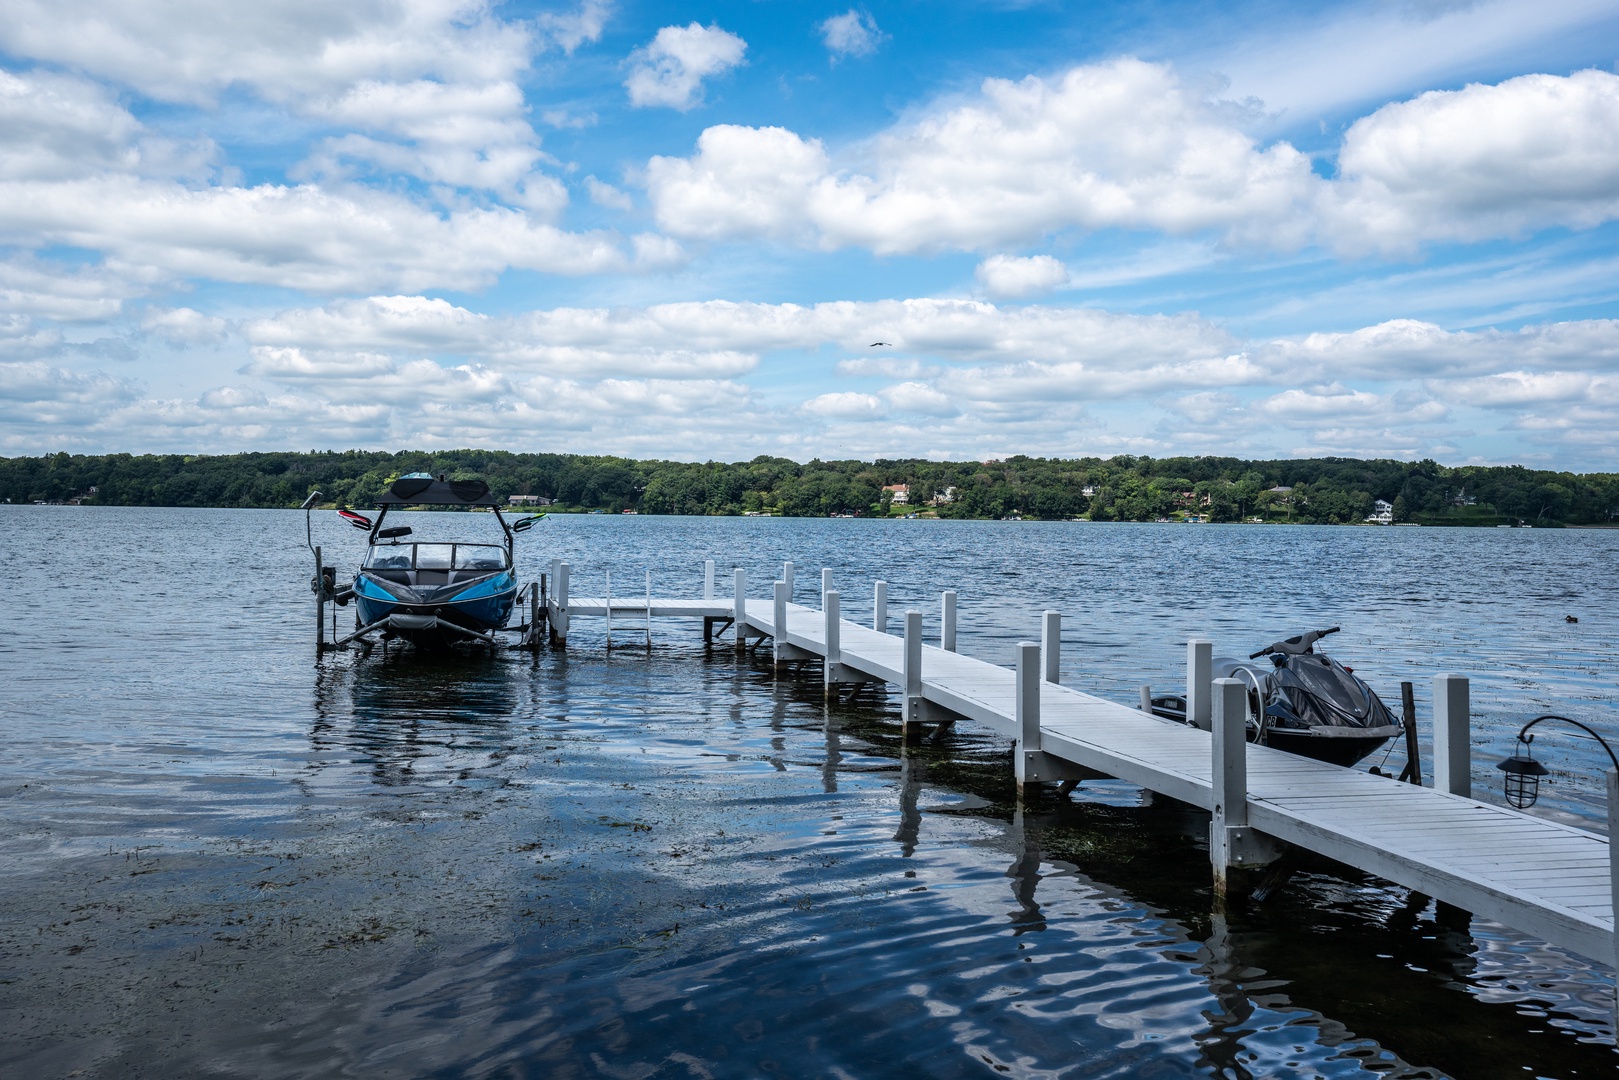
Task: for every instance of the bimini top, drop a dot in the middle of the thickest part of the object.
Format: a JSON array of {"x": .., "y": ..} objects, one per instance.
[{"x": 419, "y": 490}]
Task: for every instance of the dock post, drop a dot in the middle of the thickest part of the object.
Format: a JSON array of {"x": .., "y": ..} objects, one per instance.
[
  {"x": 1452, "y": 753},
  {"x": 830, "y": 611},
  {"x": 787, "y": 576},
  {"x": 826, "y": 580},
  {"x": 708, "y": 579},
  {"x": 947, "y": 621},
  {"x": 1027, "y": 709},
  {"x": 739, "y": 608},
  {"x": 1146, "y": 699},
  {"x": 320, "y": 605},
  {"x": 1612, "y": 777},
  {"x": 559, "y": 625},
  {"x": 778, "y": 624},
  {"x": 879, "y": 617},
  {"x": 912, "y": 722},
  {"x": 1229, "y": 717},
  {"x": 1051, "y": 646},
  {"x": 649, "y": 610},
  {"x": 1199, "y": 677},
  {"x": 607, "y": 602},
  {"x": 532, "y": 643}
]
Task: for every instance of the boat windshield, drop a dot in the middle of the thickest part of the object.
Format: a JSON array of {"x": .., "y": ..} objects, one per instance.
[
  {"x": 436, "y": 557},
  {"x": 389, "y": 557},
  {"x": 479, "y": 557}
]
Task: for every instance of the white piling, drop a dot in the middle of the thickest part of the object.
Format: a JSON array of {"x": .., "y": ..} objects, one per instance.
[
  {"x": 1612, "y": 776},
  {"x": 1229, "y": 721},
  {"x": 1146, "y": 699},
  {"x": 1199, "y": 677},
  {"x": 831, "y": 613},
  {"x": 826, "y": 581},
  {"x": 608, "y": 602},
  {"x": 787, "y": 576},
  {"x": 739, "y": 608},
  {"x": 649, "y": 609},
  {"x": 879, "y": 616},
  {"x": 778, "y": 624},
  {"x": 708, "y": 579},
  {"x": 1051, "y": 646},
  {"x": 1026, "y": 722},
  {"x": 559, "y": 625},
  {"x": 913, "y": 671},
  {"x": 1452, "y": 752},
  {"x": 947, "y": 621}
]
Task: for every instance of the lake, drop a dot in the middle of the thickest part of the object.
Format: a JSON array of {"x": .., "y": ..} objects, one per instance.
[{"x": 222, "y": 858}]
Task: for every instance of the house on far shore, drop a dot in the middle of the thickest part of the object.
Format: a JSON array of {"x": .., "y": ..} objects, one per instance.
[
  {"x": 901, "y": 493},
  {"x": 1382, "y": 513},
  {"x": 948, "y": 495}
]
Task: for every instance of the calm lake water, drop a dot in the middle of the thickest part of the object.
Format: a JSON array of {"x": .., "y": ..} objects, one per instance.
[{"x": 224, "y": 859}]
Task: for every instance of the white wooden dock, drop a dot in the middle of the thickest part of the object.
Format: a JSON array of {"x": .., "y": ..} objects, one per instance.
[{"x": 1545, "y": 879}]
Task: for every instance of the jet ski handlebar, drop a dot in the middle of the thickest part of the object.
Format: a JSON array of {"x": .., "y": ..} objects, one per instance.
[{"x": 1294, "y": 646}]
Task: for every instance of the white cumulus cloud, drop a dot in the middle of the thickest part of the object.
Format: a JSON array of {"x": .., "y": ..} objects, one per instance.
[
  {"x": 854, "y": 33},
  {"x": 671, "y": 68},
  {"x": 1011, "y": 277}
]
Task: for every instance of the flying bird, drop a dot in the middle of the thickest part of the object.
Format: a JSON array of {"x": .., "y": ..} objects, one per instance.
[{"x": 874, "y": 344}]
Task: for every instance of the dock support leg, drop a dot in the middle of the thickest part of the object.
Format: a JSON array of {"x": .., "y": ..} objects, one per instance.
[
  {"x": 778, "y": 625},
  {"x": 1452, "y": 753},
  {"x": 912, "y": 723},
  {"x": 739, "y": 607},
  {"x": 879, "y": 608},
  {"x": 830, "y": 605},
  {"x": 1051, "y": 646},
  {"x": 1199, "y": 677},
  {"x": 1027, "y": 715},
  {"x": 947, "y": 621},
  {"x": 1232, "y": 844},
  {"x": 559, "y": 613}
]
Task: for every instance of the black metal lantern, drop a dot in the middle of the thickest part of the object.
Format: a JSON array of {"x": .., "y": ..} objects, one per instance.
[
  {"x": 1523, "y": 775},
  {"x": 1523, "y": 772}
]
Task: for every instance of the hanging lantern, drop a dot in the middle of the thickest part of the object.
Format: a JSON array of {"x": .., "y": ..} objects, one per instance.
[{"x": 1522, "y": 778}]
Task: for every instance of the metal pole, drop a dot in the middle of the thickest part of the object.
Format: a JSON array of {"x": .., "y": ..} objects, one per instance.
[
  {"x": 1229, "y": 719},
  {"x": 778, "y": 624},
  {"x": 320, "y": 605},
  {"x": 1413, "y": 754},
  {"x": 830, "y": 612},
  {"x": 1612, "y": 776},
  {"x": 739, "y": 608}
]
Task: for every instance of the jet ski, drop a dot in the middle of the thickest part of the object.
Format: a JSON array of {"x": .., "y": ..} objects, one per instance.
[{"x": 1303, "y": 701}]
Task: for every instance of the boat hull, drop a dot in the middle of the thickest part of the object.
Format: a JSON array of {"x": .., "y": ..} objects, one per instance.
[
  {"x": 436, "y": 615},
  {"x": 1336, "y": 746}
]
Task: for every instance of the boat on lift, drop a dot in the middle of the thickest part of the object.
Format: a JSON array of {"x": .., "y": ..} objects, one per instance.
[
  {"x": 432, "y": 593},
  {"x": 1303, "y": 701}
]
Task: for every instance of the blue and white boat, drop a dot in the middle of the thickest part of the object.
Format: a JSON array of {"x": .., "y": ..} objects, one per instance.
[{"x": 434, "y": 593}]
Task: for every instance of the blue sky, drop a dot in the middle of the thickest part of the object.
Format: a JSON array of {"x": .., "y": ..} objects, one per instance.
[{"x": 1266, "y": 229}]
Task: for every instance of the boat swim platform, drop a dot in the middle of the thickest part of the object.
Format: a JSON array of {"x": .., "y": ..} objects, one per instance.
[{"x": 1549, "y": 880}]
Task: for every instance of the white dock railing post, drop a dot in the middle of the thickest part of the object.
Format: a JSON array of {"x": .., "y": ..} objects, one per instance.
[
  {"x": 787, "y": 576},
  {"x": 879, "y": 616},
  {"x": 1612, "y": 777},
  {"x": 913, "y": 672},
  {"x": 1452, "y": 752},
  {"x": 947, "y": 621},
  {"x": 559, "y": 623},
  {"x": 1027, "y": 709},
  {"x": 830, "y": 611},
  {"x": 708, "y": 579},
  {"x": 826, "y": 580},
  {"x": 1051, "y": 646},
  {"x": 649, "y": 609},
  {"x": 1229, "y": 717},
  {"x": 1199, "y": 679},
  {"x": 607, "y": 602},
  {"x": 1146, "y": 699},
  {"x": 739, "y": 608},
  {"x": 778, "y": 624}
]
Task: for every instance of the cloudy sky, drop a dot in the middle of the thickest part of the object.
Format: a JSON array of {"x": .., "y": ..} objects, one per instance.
[{"x": 1379, "y": 228}]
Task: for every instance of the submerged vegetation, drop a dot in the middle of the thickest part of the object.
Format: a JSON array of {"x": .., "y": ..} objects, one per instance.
[{"x": 1122, "y": 488}]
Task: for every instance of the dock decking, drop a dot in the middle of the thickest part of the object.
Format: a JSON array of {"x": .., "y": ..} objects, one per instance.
[{"x": 1548, "y": 880}]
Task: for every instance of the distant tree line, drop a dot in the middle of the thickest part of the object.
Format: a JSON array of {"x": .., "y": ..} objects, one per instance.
[{"x": 1122, "y": 488}]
